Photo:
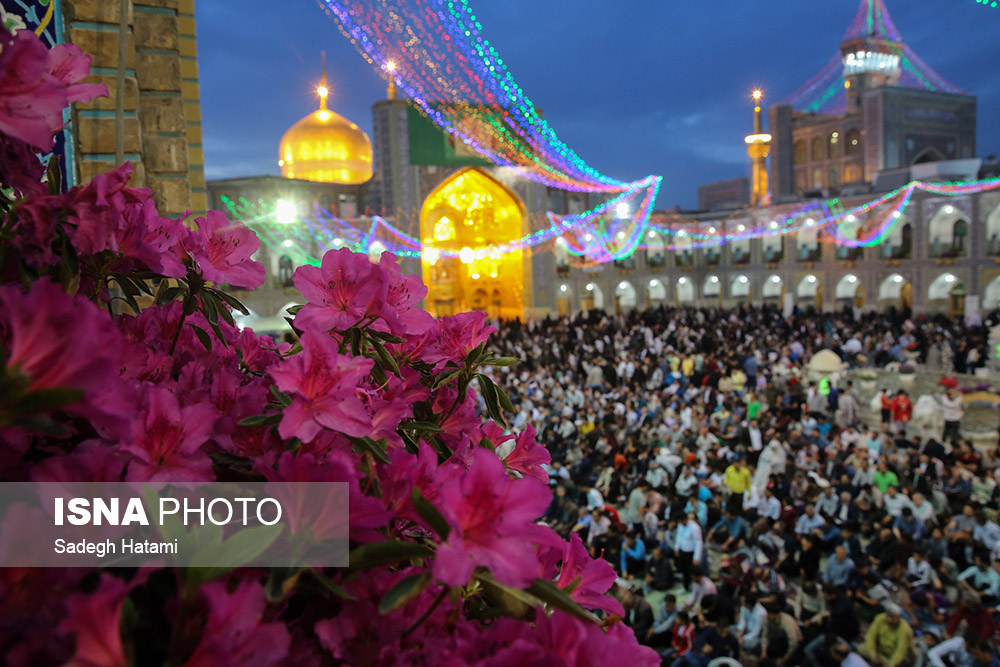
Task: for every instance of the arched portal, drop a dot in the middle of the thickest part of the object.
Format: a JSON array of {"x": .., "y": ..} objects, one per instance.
[
  {"x": 471, "y": 214},
  {"x": 625, "y": 297},
  {"x": 991, "y": 295},
  {"x": 851, "y": 290},
  {"x": 947, "y": 233},
  {"x": 895, "y": 291},
  {"x": 592, "y": 298},
  {"x": 685, "y": 290},
  {"x": 657, "y": 292},
  {"x": 739, "y": 288},
  {"x": 809, "y": 291},
  {"x": 773, "y": 289},
  {"x": 993, "y": 232},
  {"x": 711, "y": 288}
]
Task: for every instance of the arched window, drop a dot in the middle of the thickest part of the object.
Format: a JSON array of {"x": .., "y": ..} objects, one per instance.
[
  {"x": 852, "y": 143},
  {"x": 852, "y": 173},
  {"x": 833, "y": 145},
  {"x": 958, "y": 241},
  {"x": 285, "y": 271},
  {"x": 817, "y": 153},
  {"x": 799, "y": 154},
  {"x": 834, "y": 177}
]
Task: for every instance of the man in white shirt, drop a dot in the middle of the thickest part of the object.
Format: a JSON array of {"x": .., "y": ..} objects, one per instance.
[{"x": 688, "y": 548}]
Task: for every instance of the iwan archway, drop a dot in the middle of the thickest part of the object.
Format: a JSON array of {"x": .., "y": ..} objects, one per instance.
[{"x": 474, "y": 215}]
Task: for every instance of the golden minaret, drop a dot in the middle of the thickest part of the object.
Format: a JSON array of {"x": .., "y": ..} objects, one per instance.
[{"x": 758, "y": 146}]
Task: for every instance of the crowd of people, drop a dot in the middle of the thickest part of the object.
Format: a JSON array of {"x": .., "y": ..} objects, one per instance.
[{"x": 753, "y": 512}]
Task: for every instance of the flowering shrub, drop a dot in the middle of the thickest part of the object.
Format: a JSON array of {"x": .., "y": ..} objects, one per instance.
[{"x": 119, "y": 360}]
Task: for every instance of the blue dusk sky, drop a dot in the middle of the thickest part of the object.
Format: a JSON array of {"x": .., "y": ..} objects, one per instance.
[{"x": 636, "y": 87}]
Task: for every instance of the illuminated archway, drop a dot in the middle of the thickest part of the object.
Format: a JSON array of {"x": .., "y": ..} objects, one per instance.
[
  {"x": 625, "y": 297},
  {"x": 685, "y": 290},
  {"x": 473, "y": 214}
]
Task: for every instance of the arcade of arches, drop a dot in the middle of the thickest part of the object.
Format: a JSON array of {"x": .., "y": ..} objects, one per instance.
[{"x": 472, "y": 213}]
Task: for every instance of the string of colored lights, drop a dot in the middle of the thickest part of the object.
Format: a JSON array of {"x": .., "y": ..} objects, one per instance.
[
  {"x": 439, "y": 54},
  {"x": 874, "y": 29},
  {"x": 603, "y": 234}
]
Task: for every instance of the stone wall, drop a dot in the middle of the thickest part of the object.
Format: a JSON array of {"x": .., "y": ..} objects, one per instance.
[{"x": 162, "y": 137}]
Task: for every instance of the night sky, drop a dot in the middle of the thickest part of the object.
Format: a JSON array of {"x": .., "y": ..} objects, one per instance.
[{"x": 636, "y": 87}]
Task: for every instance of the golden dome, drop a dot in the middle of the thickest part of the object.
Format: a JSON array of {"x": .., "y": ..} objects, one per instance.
[{"x": 324, "y": 146}]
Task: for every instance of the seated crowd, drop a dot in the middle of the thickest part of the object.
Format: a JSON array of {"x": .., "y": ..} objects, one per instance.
[{"x": 752, "y": 513}]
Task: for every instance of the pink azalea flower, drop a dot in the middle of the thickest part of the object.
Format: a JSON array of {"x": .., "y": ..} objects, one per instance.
[
  {"x": 322, "y": 383},
  {"x": 341, "y": 292},
  {"x": 90, "y": 461},
  {"x": 256, "y": 352},
  {"x": 589, "y": 578},
  {"x": 151, "y": 240},
  {"x": 35, "y": 229},
  {"x": 457, "y": 336},
  {"x": 97, "y": 211},
  {"x": 225, "y": 254},
  {"x": 588, "y": 645},
  {"x": 402, "y": 312},
  {"x": 360, "y": 635},
  {"x": 94, "y": 620},
  {"x": 70, "y": 65},
  {"x": 405, "y": 472},
  {"x": 394, "y": 403},
  {"x": 366, "y": 514},
  {"x": 31, "y": 98},
  {"x": 166, "y": 440},
  {"x": 488, "y": 513},
  {"x": 33, "y": 330},
  {"x": 234, "y": 633},
  {"x": 22, "y": 169},
  {"x": 528, "y": 456}
]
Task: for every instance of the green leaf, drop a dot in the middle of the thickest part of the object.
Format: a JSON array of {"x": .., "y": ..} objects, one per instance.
[
  {"x": 292, "y": 310},
  {"x": 375, "y": 448},
  {"x": 169, "y": 294},
  {"x": 331, "y": 585},
  {"x": 492, "y": 398},
  {"x": 505, "y": 400},
  {"x": 42, "y": 400},
  {"x": 421, "y": 426},
  {"x": 431, "y": 515},
  {"x": 53, "y": 175},
  {"x": 233, "y": 302},
  {"x": 551, "y": 595},
  {"x": 377, "y": 554},
  {"x": 279, "y": 582},
  {"x": 378, "y": 374},
  {"x": 282, "y": 397},
  {"x": 386, "y": 337},
  {"x": 241, "y": 548},
  {"x": 475, "y": 355},
  {"x": 404, "y": 592},
  {"x": 261, "y": 420},
  {"x": 446, "y": 377},
  {"x": 203, "y": 336},
  {"x": 385, "y": 357},
  {"x": 504, "y": 361},
  {"x": 513, "y": 601}
]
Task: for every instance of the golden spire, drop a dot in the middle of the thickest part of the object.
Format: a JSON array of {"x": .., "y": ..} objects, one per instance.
[
  {"x": 758, "y": 146},
  {"x": 390, "y": 67},
  {"x": 324, "y": 87}
]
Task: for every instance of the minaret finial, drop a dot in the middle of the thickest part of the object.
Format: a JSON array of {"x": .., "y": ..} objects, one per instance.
[
  {"x": 390, "y": 68},
  {"x": 324, "y": 87}
]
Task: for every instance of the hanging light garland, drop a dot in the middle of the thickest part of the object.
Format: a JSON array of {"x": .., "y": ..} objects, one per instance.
[{"x": 604, "y": 234}]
